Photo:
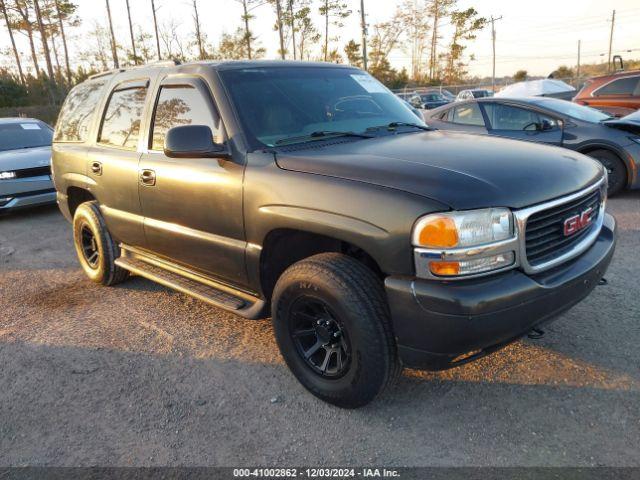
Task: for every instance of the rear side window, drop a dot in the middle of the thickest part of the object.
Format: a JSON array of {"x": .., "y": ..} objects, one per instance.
[
  {"x": 122, "y": 118},
  {"x": 182, "y": 105},
  {"x": 467, "y": 115},
  {"x": 622, "y": 86},
  {"x": 78, "y": 111}
]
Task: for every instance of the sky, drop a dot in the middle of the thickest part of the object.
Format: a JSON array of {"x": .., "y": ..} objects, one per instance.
[{"x": 535, "y": 35}]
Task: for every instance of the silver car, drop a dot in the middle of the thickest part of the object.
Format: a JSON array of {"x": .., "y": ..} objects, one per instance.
[{"x": 25, "y": 163}]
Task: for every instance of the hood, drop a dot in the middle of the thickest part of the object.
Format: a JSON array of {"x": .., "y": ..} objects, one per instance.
[
  {"x": 630, "y": 123},
  {"x": 25, "y": 158},
  {"x": 463, "y": 171}
]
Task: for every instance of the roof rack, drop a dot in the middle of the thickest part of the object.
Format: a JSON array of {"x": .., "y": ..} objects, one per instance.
[{"x": 156, "y": 63}]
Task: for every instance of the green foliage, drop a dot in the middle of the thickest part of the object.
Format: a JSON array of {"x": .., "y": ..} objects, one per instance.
[
  {"x": 12, "y": 94},
  {"x": 354, "y": 53}
]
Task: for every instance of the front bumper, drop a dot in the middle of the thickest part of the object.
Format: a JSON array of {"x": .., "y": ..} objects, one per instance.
[
  {"x": 441, "y": 324},
  {"x": 28, "y": 192}
]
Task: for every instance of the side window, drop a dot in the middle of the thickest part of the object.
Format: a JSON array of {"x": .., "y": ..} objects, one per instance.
[
  {"x": 467, "y": 115},
  {"x": 182, "y": 105},
  {"x": 78, "y": 111},
  {"x": 622, "y": 86},
  {"x": 507, "y": 117},
  {"x": 122, "y": 118}
]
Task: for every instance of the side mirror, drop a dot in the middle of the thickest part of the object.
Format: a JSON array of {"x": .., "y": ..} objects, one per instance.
[{"x": 192, "y": 141}]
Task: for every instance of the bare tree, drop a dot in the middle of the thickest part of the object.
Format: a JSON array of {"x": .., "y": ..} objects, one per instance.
[
  {"x": 26, "y": 25},
  {"x": 155, "y": 26},
  {"x": 437, "y": 10},
  {"x": 133, "y": 40},
  {"x": 114, "y": 47},
  {"x": 201, "y": 53},
  {"x": 43, "y": 38},
  {"x": 416, "y": 29},
  {"x": 247, "y": 7},
  {"x": 64, "y": 41},
  {"x": 13, "y": 42},
  {"x": 334, "y": 12},
  {"x": 279, "y": 27}
]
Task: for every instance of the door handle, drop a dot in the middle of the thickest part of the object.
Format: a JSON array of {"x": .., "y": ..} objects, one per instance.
[
  {"x": 148, "y": 178},
  {"x": 96, "y": 167}
]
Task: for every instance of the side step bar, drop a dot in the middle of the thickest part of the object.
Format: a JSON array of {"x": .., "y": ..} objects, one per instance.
[{"x": 186, "y": 281}]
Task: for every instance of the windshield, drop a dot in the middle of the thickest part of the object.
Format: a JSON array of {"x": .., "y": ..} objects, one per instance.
[
  {"x": 432, "y": 97},
  {"x": 279, "y": 105},
  {"x": 18, "y": 135},
  {"x": 579, "y": 112}
]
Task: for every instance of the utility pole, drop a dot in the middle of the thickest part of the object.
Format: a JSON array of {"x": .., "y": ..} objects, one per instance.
[
  {"x": 613, "y": 21},
  {"x": 493, "y": 43},
  {"x": 155, "y": 26},
  {"x": 578, "y": 68},
  {"x": 114, "y": 48},
  {"x": 364, "y": 35},
  {"x": 133, "y": 41}
]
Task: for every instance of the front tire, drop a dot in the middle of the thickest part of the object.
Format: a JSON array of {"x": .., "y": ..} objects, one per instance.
[
  {"x": 615, "y": 168},
  {"x": 95, "y": 247},
  {"x": 333, "y": 328}
]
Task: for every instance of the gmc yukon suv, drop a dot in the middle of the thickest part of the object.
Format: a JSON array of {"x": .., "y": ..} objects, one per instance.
[{"x": 311, "y": 194}]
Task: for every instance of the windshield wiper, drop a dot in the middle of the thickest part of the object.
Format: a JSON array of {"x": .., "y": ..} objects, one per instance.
[
  {"x": 320, "y": 135},
  {"x": 392, "y": 125}
]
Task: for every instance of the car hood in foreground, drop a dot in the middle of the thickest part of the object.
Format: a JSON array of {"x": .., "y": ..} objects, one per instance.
[
  {"x": 463, "y": 171},
  {"x": 25, "y": 158}
]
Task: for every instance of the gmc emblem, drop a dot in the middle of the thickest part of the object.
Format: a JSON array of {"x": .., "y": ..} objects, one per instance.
[{"x": 577, "y": 222}]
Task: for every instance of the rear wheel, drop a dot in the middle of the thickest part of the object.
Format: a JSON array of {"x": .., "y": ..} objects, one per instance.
[
  {"x": 95, "y": 247},
  {"x": 615, "y": 168},
  {"x": 332, "y": 325}
]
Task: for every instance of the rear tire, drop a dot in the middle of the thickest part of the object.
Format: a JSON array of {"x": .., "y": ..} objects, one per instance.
[
  {"x": 334, "y": 304},
  {"x": 95, "y": 247},
  {"x": 615, "y": 168}
]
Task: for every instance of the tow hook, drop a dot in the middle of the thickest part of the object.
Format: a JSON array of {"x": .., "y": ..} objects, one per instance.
[
  {"x": 535, "y": 334},
  {"x": 603, "y": 281}
]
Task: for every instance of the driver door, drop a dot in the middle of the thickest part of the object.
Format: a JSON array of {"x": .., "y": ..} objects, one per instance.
[
  {"x": 522, "y": 124},
  {"x": 192, "y": 206}
]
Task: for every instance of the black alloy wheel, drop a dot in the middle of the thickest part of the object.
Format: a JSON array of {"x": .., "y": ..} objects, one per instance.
[{"x": 320, "y": 338}]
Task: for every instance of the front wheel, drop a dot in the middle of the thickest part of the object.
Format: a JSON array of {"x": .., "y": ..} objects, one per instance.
[
  {"x": 616, "y": 170},
  {"x": 95, "y": 247},
  {"x": 333, "y": 329}
]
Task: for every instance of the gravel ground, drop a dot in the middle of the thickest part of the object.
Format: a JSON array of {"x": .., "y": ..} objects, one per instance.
[{"x": 140, "y": 375}]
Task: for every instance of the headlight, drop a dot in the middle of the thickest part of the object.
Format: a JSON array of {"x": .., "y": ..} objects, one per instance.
[
  {"x": 7, "y": 175},
  {"x": 463, "y": 229},
  {"x": 458, "y": 244}
]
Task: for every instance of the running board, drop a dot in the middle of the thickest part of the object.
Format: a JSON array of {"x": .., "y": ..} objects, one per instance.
[{"x": 186, "y": 281}]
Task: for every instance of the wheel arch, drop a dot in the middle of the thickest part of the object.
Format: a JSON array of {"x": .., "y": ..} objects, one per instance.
[
  {"x": 624, "y": 158},
  {"x": 76, "y": 196}
]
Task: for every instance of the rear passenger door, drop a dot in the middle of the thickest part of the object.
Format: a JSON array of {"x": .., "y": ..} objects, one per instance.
[
  {"x": 192, "y": 206},
  {"x": 522, "y": 123},
  {"x": 463, "y": 118},
  {"x": 113, "y": 161}
]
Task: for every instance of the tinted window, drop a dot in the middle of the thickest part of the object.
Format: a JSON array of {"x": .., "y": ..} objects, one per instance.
[
  {"x": 77, "y": 112},
  {"x": 507, "y": 117},
  {"x": 622, "y": 86},
  {"x": 467, "y": 115},
  {"x": 121, "y": 123},
  {"x": 27, "y": 134},
  {"x": 285, "y": 103},
  {"x": 183, "y": 105}
]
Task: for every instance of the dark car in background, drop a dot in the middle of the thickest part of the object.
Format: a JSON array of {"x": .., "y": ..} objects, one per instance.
[
  {"x": 25, "y": 163},
  {"x": 427, "y": 101},
  {"x": 617, "y": 94},
  {"x": 614, "y": 143}
]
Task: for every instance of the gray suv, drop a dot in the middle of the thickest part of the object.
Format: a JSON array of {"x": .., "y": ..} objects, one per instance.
[{"x": 310, "y": 193}]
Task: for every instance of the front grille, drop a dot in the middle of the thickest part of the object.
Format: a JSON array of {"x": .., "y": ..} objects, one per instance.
[
  {"x": 544, "y": 235},
  {"x": 33, "y": 172}
]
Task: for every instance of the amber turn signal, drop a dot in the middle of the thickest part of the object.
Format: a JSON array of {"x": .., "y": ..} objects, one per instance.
[
  {"x": 438, "y": 231},
  {"x": 444, "y": 269}
]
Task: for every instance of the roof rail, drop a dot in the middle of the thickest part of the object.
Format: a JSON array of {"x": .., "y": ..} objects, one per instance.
[{"x": 156, "y": 63}]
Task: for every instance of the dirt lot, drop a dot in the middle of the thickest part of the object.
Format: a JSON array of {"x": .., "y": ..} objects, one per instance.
[{"x": 140, "y": 375}]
